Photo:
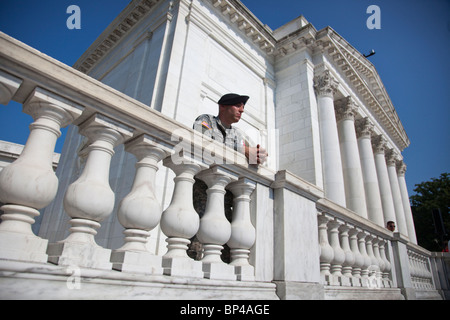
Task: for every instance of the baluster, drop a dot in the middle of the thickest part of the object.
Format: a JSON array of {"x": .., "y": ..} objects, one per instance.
[
  {"x": 326, "y": 251},
  {"x": 387, "y": 264},
  {"x": 243, "y": 234},
  {"x": 215, "y": 230},
  {"x": 367, "y": 260},
  {"x": 140, "y": 212},
  {"x": 376, "y": 252},
  {"x": 418, "y": 271},
  {"x": 413, "y": 268},
  {"x": 419, "y": 274},
  {"x": 373, "y": 268},
  {"x": 180, "y": 221},
  {"x": 29, "y": 183},
  {"x": 89, "y": 200},
  {"x": 359, "y": 259},
  {"x": 339, "y": 254},
  {"x": 427, "y": 273},
  {"x": 349, "y": 261},
  {"x": 422, "y": 269}
]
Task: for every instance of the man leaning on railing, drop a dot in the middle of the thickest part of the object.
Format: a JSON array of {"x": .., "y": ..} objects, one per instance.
[{"x": 219, "y": 128}]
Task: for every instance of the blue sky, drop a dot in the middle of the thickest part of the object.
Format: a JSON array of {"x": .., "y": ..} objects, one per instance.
[{"x": 412, "y": 57}]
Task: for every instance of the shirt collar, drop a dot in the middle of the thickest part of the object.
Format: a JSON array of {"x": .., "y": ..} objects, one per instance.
[{"x": 221, "y": 124}]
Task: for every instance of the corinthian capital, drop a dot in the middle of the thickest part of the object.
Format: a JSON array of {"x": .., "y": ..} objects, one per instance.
[
  {"x": 391, "y": 157},
  {"x": 346, "y": 109},
  {"x": 364, "y": 128},
  {"x": 401, "y": 168},
  {"x": 379, "y": 144},
  {"x": 325, "y": 84}
]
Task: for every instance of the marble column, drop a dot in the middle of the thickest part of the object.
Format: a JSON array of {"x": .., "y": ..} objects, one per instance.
[
  {"x": 139, "y": 212},
  {"x": 243, "y": 233},
  {"x": 401, "y": 170},
  {"x": 29, "y": 183},
  {"x": 379, "y": 148},
  {"x": 325, "y": 86},
  {"x": 215, "y": 230},
  {"x": 364, "y": 130},
  {"x": 391, "y": 162},
  {"x": 180, "y": 222},
  {"x": 346, "y": 111},
  {"x": 90, "y": 199}
]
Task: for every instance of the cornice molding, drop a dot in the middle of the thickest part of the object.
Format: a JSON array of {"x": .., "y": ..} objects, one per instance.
[
  {"x": 254, "y": 30},
  {"x": 112, "y": 35}
]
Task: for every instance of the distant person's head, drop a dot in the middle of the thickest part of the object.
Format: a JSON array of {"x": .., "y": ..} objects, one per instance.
[{"x": 391, "y": 226}]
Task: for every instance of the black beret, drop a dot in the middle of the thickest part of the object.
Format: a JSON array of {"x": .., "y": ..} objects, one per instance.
[{"x": 232, "y": 98}]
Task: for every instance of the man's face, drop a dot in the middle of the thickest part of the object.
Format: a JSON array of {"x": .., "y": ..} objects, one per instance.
[
  {"x": 391, "y": 226},
  {"x": 231, "y": 113}
]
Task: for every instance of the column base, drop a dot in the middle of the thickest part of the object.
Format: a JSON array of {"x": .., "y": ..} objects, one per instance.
[
  {"x": 17, "y": 241},
  {"x": 22, "y": 247},
  {"x": 386, "y": 283},
  {"x": 340, "y": 280},
  {"x": 365, "y": 281},
  {"x": 136, "y": 262},
  {"x": 218, "y": 271},
  {"x": 356, "y": 281},
  {"x": 182, "y": 267},
  {"x": 245, "y": 273},
  {"x": 79, "y": 254}
]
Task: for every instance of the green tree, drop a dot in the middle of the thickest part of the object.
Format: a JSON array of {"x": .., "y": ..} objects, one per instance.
[{"x": 431, "y": 195}]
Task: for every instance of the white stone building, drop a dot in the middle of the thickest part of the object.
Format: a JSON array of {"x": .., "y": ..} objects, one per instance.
[{"x": 310, "y": 223}]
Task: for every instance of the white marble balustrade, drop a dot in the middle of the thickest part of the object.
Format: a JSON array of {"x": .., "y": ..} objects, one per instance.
[
  {"x": 283, "y": 229},
  {"x": 30, "y": 184},
  {"x": 352, "y": 254},
  {"x": 420, "y": 269}
]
